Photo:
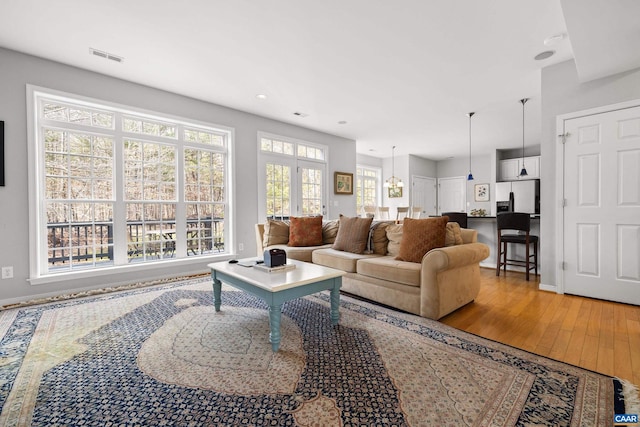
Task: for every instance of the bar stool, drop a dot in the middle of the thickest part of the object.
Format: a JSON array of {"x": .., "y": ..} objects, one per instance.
[
  {"x": 459, "y": 217},
  {"x": 520, "y": 222}
]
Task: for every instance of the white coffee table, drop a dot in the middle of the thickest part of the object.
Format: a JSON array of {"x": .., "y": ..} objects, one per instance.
[{"x": 277, "y": 287}]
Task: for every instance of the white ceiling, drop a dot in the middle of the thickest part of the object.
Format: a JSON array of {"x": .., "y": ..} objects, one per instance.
[{"x": 401, "y": 73}]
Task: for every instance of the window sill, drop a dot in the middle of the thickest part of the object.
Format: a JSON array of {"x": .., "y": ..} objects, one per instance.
[{"x": 201, "y": 261}]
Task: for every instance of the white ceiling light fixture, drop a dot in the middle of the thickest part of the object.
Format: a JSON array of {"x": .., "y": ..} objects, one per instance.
[
  {"x": 393, "y": 182},
  {"x": 523, "y": 172},
  {"x": 554, "y": 39},
  {"x": 261, "y": 96},
  {"x": 470, "y": 176}
]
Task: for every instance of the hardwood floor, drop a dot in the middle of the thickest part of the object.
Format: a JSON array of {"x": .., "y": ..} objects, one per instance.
[{"x": 598, "y": 335}]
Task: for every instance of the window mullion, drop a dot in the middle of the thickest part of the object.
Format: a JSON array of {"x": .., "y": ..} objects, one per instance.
[{"x": 120, "y": 234}]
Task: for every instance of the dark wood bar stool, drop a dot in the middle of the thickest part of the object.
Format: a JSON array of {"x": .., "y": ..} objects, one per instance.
[
  {"x": 459, "y": 217},
  {"x": 516, "y": 221}
]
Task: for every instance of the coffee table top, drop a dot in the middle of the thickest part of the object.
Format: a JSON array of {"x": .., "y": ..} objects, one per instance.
[{"x": 303, "y": 274}]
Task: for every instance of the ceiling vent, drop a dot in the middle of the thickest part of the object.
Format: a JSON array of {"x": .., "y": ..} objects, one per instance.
[
  {"x": 299, "y": 114},
  {"x": 106, "y": 55}
]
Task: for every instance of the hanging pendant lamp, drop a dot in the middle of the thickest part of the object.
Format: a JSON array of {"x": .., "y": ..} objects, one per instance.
[
  {"x": 470, "y": 176},
  {"x": 393, "y": 182},
  {"x": 523, "y": 172}
]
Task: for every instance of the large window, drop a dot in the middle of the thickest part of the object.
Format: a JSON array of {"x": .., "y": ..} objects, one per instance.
[
  {"x": 117, "y": 186},
  {"x": 367, "y": 187},
  {"x": 293, "y": 177}
]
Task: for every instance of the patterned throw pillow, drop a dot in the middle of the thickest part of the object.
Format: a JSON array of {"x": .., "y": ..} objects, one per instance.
[
  {"x": 305, "y": 231},
  {"x": 275, "y": 233},
  {"x": 353, "y": 234},
  {"x": 419, "y": 236},
  {"x": 454, "y": 234}
]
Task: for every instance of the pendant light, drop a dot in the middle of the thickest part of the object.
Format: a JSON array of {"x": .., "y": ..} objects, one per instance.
[
  {"x": 523, "y": 172},
  {"x": 393, "y": 182},
  {"x": 470, "y": 176}
]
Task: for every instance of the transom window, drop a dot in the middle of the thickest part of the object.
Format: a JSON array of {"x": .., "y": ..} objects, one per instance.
[{"x": 117, "y": 186}]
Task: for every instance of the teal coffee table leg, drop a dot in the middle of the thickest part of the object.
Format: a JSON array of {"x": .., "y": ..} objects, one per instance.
[
  {"x": 335, "y": 302},
  {"x": 217, "y": 291},
  {"x": 275, "y": 312}
]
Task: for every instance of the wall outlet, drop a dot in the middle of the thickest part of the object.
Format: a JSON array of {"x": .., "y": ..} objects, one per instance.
[
  {"x": 7, "y": 272},
  {"x": 241, "y": 247}
]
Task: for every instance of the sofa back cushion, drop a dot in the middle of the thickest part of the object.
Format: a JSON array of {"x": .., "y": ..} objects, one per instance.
[
  {"x": 419, "y": 236},
  {"x": 454, "y": 234},
  {"x": 275, "y": 233},
  {"x": 330, "y": 231},
  {"x": 305, "y": 231},
  {"x": 378, "y": 237},
  {"x": 353, "y": 234},
  {"x": 394, "y": 235}
]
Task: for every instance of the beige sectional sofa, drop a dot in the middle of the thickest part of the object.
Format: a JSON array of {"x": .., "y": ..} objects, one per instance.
[{"x": 444, "y": 280}]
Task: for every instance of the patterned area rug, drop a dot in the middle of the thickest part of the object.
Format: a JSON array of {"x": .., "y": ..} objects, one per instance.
[{"x": 161, "y": 355}]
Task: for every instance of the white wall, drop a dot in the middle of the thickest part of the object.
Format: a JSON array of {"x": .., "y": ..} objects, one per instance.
[
  {"x": 563, "y": 93},
  {"x": 17, "y": 70},
  {"x": 484, "y": 172}
]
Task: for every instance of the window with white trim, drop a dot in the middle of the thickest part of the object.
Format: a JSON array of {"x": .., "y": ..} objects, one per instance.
[
  {"x": 292, "y": 177},
  {"x": 118, "y": 186},
  {"x": 367, "y": 187}
]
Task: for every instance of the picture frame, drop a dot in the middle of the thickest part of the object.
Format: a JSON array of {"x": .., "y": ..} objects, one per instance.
[
  {"x": 394, "y": 192},
  {"x": 343, "y": 183},
  {"x": 481, "y": 192}
]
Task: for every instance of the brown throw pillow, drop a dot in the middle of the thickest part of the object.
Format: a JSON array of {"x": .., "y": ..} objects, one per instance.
[
  {"x": 420, "y": 236},
  {"x": 454, "y": 234},
  {"x": 275, "y": 233},
  {"x": 305, "y": 231},
  {"x": 352, "y": 234}
]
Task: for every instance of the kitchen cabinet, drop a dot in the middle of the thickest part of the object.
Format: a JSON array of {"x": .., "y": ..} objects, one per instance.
[{"x": 509, "y": 169}]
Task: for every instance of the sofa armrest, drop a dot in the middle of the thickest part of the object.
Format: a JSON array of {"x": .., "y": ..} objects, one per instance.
[
  {"x": 259, "y": 239},
  {"x": 450, "y": 257}
]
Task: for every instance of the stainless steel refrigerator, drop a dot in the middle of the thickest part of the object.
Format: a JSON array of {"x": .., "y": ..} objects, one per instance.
[{"x": 518, "y": 196}]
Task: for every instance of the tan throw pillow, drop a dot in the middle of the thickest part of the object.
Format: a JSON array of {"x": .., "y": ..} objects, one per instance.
[
  {"x": 420, "y": 236},
  {"x": 329, "y": 231},
  {"x": 275, "y": 233},
  {"x": 305, "y": 231},
  {"x": 454, "y": 235},
  {"x": 352, "y": 234},
  {"x": 394, "y": 234}
]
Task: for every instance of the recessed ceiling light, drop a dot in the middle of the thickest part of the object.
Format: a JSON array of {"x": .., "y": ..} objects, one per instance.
[
  {"x": 261, "y": 96},
  {"x": 556, "y": 38},
  {"x": 544, "y": 55},
  {"x": 342, "y": 122}
]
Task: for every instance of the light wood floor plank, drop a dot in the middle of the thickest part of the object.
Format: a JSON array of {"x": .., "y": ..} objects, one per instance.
[{"x": 598, "y": 335}]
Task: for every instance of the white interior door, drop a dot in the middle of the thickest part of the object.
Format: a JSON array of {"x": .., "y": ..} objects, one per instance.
[
  {"x": 452, "y": 194},
  {"x": 423, "y": 195},
  {"x": 602, "y": 209}
]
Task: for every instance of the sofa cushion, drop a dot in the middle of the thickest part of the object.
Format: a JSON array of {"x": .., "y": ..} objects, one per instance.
[
  {"x": 419, "y": 236},
  {"x": 275, "y": 233},
  {"x": 329, "y": 231},
  {"x": 394, "y": 235},
  {"x": 345, "y": 261},
  {"x": 305, "y": 231},
  {"x": 377, "y": 243},
  {"x": 300, "y": 253},
  {"x": 454, "y": 234},
  {"x": 352, "y": 234},
  {"x": 390, "y": 269}
]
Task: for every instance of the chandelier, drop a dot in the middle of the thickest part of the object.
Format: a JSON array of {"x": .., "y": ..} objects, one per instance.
[{"x": 394, "y": 181}]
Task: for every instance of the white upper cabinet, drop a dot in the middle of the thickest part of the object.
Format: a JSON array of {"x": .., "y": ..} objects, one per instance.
[{"x": 509, "y": 169}]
